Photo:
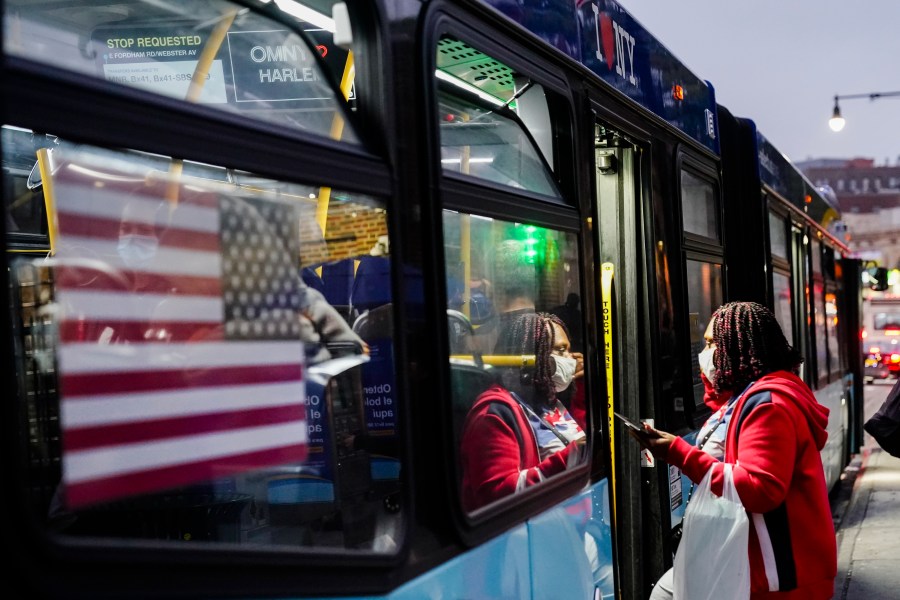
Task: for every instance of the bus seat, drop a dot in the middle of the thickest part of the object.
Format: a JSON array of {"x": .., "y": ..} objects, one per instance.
[
  {"x": 372, "y": 285},
  {"x": 312, "y": 279},
  {"x": 376, "y": 328},
  {"x": 467, "y": 381},
  {"x": 375, "y": 324},
  {"x": 459, "y": 332},
  {"x": 337, "y": 279}
]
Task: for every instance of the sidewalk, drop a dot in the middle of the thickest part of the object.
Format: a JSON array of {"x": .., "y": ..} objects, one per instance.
[{"x": 867, "y": 522}]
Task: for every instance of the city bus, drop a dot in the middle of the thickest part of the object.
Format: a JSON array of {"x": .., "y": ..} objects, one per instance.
[
  {"x": 789, "y": 235},
  {"x": 258, "y": 254},
  {"x": 881, "y": 330}
]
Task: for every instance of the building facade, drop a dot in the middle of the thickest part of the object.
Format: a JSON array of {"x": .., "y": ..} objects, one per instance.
[{"x": 869, "y": 201}]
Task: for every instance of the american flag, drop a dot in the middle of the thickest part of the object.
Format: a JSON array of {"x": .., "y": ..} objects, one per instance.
[{"x": 184, "y": 363}]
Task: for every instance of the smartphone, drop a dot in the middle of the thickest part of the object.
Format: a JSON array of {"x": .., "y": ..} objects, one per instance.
[{"x": 630, "y": 424}]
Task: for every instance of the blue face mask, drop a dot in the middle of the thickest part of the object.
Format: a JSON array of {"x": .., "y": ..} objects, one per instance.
[{"x": 137, "y": 250}]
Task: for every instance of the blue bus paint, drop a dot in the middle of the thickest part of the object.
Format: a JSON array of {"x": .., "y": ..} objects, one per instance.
[
  {"x": 602, "y": 36},
  {"x": 572, "y": 540}
]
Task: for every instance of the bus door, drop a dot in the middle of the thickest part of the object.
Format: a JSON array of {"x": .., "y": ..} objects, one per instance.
[
  {"x": 802, "y": 309},
  {"x": 622, "y": 302}
]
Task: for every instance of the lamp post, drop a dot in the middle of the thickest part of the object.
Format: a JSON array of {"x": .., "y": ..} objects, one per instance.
[{"x": 837, "y": 122}]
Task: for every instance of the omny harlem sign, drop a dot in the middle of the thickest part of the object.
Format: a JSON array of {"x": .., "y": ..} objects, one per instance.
[
  {"x": 247, "y": 67},
  {"x": 276, "y": 66}
]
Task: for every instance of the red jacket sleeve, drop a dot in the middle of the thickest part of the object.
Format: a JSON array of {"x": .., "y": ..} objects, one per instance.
[
  {"x": 767, "y": 449},
  {"x": 690, "y": 459}
]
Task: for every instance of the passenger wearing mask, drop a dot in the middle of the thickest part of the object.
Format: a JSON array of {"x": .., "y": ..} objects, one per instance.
[
  {"x": 519, "y": 434},
  {"x": 775, "y": 432}
]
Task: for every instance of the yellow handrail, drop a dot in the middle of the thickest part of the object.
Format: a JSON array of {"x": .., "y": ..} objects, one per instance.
[
  {"x": 198, "y": 80},
  {"x": 43, "y": 159},
  {"x": 500, "y": 360}
]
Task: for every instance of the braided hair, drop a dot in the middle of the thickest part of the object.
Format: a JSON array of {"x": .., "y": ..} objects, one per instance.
[
  {"x": 749, "y": 344},
  {"x": 533, "y": 333}
]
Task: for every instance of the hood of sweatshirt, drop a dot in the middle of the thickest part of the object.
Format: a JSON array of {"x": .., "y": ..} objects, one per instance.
[{"x": 793, "y": 389}]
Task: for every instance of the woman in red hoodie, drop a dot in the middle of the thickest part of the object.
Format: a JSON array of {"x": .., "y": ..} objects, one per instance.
[
  {"x": 773, "y": 439},
  {"x": 520, "y": 433}
]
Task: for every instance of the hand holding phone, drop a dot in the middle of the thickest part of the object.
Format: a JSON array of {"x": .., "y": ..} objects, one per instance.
[
  {"x": 636, "y": 430},
  {"x": 633, "y": 425}
]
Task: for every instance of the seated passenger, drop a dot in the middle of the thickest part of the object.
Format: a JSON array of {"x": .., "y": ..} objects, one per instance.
[
  {"x": 519, "y": 434},
  {"x": 515, "y": 289}
]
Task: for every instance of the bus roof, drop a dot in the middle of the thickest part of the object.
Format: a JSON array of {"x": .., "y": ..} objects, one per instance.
[
  {"x": 603, "y": 37},
  {"x": 777, "y": 171}
]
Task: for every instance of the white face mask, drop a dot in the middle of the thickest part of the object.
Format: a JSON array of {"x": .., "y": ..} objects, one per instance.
[
  {"x": 137, "y": 250},
  {"x": 706, "y": 364},
  {"x": 564, "y": 373}
]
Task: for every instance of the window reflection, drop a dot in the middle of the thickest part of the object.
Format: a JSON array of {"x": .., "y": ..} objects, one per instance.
[
  {"x": 495, "y": 124},
  {"x": 699, "y": 206},
  {"x": 207, "y": 355},
  {"x": 832, "y": 329},
  {"x": 781, "y": 284},
  {"x": 704, "y": 285},
  {"x": 219, "y": 54},
  {"x": 777, "y": 236},
  {"x": 516, "y": 334}
]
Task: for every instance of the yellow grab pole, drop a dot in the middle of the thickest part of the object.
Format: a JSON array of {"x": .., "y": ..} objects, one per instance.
[
  {"x": 198, "y": 80},
  {"x": 607, "y": 270},
  {"x": 43, "y": 159},
  {"x": 465, "y": 251},
  {"x": 499, "y": 360},
  {"x": 337, "y": 130}
]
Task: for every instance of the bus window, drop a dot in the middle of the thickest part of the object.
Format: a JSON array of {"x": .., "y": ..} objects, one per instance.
[
  {"x": 781, "y": 285},
  {"x": 816, "y": 252},
  {"x": 26, "y": 222},
  {"x": 818, "y": 310},
  {"x": 781, "y": 279},
  {"x": 832, "y": 329},
  {"x": 777, "y": 236},
  {"x": 495, "y": 124},
  {"x": 819, "y": 320},
  {"x": 219, "y": 54},
  {"x": 203, "y": 358},
  {"x": 887, "y": 323},
  {"x": 704, "y": 285},
  {"x": 499, "y": 275},
  {"x": 700, "y": 208}
]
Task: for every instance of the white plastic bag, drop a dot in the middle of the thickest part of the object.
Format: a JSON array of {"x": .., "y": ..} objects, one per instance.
[{"x": 713, "y": 560}]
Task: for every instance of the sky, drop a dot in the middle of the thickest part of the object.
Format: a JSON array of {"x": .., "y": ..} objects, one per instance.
[{"x": 781, "y": 62}]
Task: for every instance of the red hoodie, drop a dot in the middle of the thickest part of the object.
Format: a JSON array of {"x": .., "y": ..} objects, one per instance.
[
  {"x": 499, "y": 453},
  {"x": 774, "y": 439}
]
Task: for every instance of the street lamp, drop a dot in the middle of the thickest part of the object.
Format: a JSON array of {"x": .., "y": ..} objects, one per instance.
[{"x": 837, "y": 122}]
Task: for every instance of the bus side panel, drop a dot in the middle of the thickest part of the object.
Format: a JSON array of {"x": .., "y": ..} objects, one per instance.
[
  {"x": 833, "y": 397},
  {"x": 497, "y": 569},
  {"x": 576, "y": 539},
  {"x": 572, "y": 539}
]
